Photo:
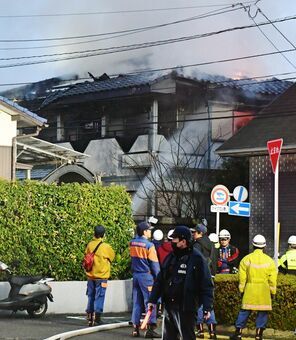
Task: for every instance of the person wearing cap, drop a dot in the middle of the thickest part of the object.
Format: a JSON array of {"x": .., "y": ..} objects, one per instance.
[
  {"x": 183, "y": 283},
  {"x": 228, "y": 254},
  {"x": 257, "y": 283},
  {"x": 145, "y": 267},
  {"x": 165, "y": 248},
  {"x": 287, "y": 263},
  {"x": 207, "y": 248},
  {"x": 98, "y": 276}
]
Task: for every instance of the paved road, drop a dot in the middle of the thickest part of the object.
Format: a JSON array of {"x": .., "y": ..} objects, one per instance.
[{"x": 20, "y": 327}]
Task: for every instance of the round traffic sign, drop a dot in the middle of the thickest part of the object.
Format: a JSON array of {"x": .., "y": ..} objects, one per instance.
[
  {"x": 240, "y": 193},
  {"x": 220, "y": 195}
]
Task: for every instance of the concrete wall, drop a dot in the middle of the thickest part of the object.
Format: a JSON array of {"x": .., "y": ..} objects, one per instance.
[{"x": 70, "y": 296}]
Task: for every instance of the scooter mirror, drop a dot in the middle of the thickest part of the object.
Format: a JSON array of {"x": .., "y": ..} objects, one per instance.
[{"x": 3, "y": 266}]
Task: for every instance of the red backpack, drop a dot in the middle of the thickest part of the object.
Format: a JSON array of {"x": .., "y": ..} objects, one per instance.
[{"x": 88, "y": 260}]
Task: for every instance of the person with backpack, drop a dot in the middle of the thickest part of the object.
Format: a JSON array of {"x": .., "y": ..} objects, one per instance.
[{"x": 97, "y": 275}]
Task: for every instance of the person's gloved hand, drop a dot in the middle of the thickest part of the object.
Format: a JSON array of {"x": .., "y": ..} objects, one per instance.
[
  {"x": 206, "y": 315},
  {"x": 150, "y": 306}
]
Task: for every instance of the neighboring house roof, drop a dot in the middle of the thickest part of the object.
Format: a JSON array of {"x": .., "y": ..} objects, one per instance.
[
  {"x": 277, "y": 120},
  {"x": 272, "y": 86},
  {"x": 24, "y": 114}
]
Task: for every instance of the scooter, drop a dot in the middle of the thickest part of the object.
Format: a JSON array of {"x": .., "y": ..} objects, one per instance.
[{"x": 28, "y": 293}]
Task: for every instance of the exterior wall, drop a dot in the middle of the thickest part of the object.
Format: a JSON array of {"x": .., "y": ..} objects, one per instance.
[
  {"x": 262, "y": 199},
  {"x": 5, "y": 161},
  {"x": 8, "y": 129}
]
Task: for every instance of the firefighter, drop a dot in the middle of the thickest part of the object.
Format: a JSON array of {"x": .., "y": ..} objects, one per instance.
[
  {"x": 228, "y": 254},
  {"x": 287, "y": 263},
  {"x": 145, "y": 267},
  {"x": 257, "y": 282}
]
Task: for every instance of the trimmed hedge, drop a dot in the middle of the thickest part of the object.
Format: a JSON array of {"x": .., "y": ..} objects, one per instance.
[
  {"x": 46, "y": 227},
  {"x": 228, "y": 302}
]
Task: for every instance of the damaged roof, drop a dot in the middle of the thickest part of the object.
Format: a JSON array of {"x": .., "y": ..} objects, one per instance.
[
  {"x": 277, "y": 120},
  {"x": 145, "y": 80}
]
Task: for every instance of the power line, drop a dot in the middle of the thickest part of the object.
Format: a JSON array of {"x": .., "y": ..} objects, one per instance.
[
  {"x": 116, "y": 49},
  {"x": 247, "y": 8},
  {"x": 117, "y": 12},
  {"x": 171, "y": 68},
  {"x": 114, "y": 35}
]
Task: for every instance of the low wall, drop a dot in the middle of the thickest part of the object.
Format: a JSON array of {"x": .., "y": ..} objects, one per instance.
[{"x": 70, "y": 296}]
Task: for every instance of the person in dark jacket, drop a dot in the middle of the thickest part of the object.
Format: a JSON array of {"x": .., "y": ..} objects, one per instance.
[
  {"x": 228, "y": 254},
  {"x": 207, "y": 248},
  {"x": 183, "y": 283}
]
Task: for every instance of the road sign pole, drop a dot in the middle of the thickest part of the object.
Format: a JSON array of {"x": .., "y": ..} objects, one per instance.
[
  {"x": 217, "y": 222},
  {"x": 276, "y": 214}
]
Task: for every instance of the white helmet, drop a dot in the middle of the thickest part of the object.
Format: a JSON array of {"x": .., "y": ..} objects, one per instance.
[
  {"x": 292, "y": 240},
  {"x": 170, "y": 233},
  {"x": 214, "y": 238},
  {"x": 158, "y": 235},
  {"x": 259, "y": 241},
  {"x": 224, "y": 234}
]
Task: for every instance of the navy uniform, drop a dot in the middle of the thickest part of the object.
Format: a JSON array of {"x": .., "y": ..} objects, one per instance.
[{"x": 183, "y": 283}]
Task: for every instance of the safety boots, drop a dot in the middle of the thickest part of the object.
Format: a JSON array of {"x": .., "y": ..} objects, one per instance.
[
  {"x": 90, "y": 319},
  {"x": 237, "y": 335},
  {"x": 94, "y": 319},
  {"x": 135, "y": 332},
  {"x": 212, "y": 331},
  {"x": 151, "y": 334},
  {"x": 200, "y": 331},
  {"x": 259, "y": 333}
]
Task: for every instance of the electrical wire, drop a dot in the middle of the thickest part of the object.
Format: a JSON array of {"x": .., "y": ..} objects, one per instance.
[
  {"x": 132, "y": 30},
  {"x": 110, "y": 50},
  {"x": 116, "y": 12}
]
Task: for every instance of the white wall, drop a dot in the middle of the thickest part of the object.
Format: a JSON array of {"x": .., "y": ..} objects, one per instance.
[
  {"x": 70, "y": 296},
  {"x": 7, "y": 129}
]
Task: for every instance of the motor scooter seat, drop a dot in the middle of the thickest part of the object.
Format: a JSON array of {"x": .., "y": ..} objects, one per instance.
[{"x": 22, "y": 280}]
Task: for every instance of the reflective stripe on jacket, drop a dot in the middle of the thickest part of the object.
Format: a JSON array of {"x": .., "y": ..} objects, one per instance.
[
  {"x": 288, "y": 260},
  {"x": 257, "y": 280},
  {"x": 102, "y": 260},
  {"x": 144, "y": 257}
]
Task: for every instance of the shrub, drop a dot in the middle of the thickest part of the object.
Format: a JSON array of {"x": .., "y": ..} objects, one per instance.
[
  {"x": 47, "y": 227},
  {"x": 228, "y": 302}
]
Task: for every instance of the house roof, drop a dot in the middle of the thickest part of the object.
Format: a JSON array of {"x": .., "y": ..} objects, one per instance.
[
  {"x": 24, "y": 116},
  {"x": 272, "y": 86},
  {"x": 277, "y": 120}
]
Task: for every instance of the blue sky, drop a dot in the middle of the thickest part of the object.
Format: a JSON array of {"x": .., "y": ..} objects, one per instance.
[{"x": 20, "y": 20}]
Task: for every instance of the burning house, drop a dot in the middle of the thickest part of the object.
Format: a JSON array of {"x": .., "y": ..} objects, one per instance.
[{"x": 133, "y": 126}]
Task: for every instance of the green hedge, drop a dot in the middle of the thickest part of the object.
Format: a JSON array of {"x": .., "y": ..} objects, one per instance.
[
  {"x": 228, "y": 302},
  {"x": 46, "y": 227}
]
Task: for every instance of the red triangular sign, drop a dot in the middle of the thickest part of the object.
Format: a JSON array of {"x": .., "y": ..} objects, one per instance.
[{"x": 274, "y": 149}]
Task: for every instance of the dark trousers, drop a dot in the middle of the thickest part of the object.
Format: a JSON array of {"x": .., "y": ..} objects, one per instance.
[{"x": 178, "y": 324}]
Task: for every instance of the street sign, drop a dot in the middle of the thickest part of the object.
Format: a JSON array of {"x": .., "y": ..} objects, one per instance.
[
  {"x": 219, "y": 208},
  {"x": 239, "y": 208},
  {"x": 274, "y": 149},
  {"x": 220, "y": 195},
  {"x": 240, "y": 193}
]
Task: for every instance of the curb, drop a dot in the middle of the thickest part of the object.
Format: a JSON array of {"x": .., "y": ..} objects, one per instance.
[{"x": 88, "y": 330}]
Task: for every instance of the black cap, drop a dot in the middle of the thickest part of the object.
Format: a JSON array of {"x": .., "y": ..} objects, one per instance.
[
  {"x": 99, "y": 231},
  {"x": 201, "y": 228},
  {"x": 144, "y": 226},
  {"x": 182, "y": 233}
]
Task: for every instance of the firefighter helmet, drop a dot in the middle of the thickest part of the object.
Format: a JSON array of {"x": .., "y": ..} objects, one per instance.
[
  {"x": 224, "y": 234},
  {"x": 292, "y": 240},
  {"x": 158, "y": 235},
  {"x": 259, "y": 241},
  {"x": 214, "y": 238}
]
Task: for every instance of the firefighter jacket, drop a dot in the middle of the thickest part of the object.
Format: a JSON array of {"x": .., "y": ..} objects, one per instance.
[
  {"x": 257, "y": 281},
  {"x": 228, "y": 259},
  {"x": 102, "y": 259},
  {"x": 287, "y": 263},
  {"x": 144, "y": 257},
  {"x": 184, "y": 282}
]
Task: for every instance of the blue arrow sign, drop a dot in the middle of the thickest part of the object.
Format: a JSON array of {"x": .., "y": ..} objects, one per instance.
[{"x": 239, "y": 208}]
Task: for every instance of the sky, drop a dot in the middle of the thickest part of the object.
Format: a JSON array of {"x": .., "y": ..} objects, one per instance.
[{"x": 55, "y": 20}]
